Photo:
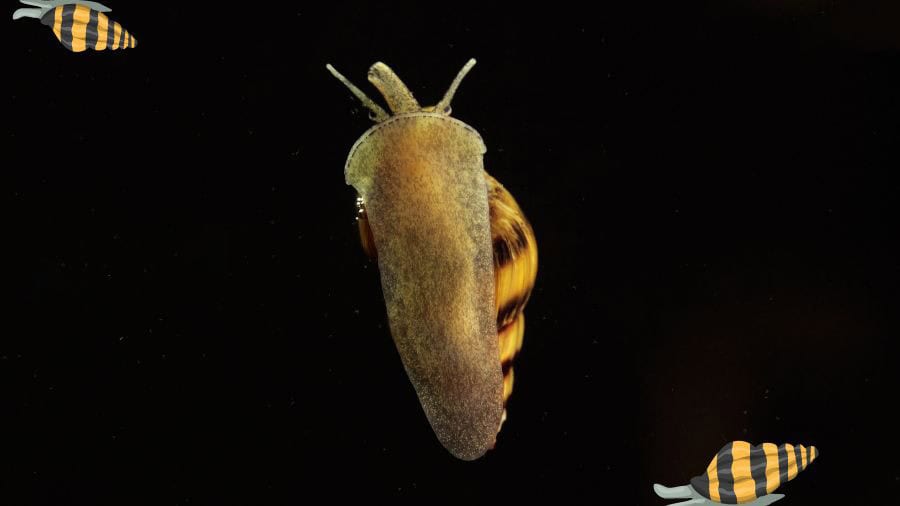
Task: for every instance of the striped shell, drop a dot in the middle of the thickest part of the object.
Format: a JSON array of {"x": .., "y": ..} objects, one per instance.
[
  {"x": 79, "y": 28},
  {"x": 741, "y": 473},
  {"x": 515, "y": 270}
]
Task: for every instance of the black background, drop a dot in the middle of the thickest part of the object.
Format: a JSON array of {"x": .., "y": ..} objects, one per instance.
[{"x": 713, "y": 188}]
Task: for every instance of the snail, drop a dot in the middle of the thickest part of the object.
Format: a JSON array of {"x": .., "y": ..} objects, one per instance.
[
  {"x": 457, "y": 258},
  {"x": 78, "y": 25},
  {"x": 743, "y": 474}
]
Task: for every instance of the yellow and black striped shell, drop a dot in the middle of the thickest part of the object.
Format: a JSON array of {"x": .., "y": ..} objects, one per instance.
[
  {"x": 741, "y": 473},
  {"x": 79, "y": 28},
  {"x": 515, "y": 271}
]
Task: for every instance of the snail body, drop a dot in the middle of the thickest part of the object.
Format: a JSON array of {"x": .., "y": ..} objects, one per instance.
[{"x": 435, "y": 221}]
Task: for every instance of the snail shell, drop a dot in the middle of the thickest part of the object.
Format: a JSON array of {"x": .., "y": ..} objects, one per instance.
[
  {"x": 79, "y": 28},
  {"x": 740, "y": 472}
]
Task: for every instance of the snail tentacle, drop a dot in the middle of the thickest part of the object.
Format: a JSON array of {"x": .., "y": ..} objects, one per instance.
[
  {"x": 682, "y": 492},
  {"x": 35, "y": 13}
]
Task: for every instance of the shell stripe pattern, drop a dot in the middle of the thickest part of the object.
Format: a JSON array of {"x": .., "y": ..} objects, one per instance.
[
  {"x": 742, "y": 473},
  {"x": 515, "y": 270},
  {"x": 79, "y": 28}
]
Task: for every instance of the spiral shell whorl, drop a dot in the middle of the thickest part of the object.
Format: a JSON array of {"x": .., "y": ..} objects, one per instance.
[{"x": 740, "y": 472}]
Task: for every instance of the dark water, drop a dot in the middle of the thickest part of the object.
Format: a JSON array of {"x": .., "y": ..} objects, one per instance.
[{"x": 714, "y": 192}]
